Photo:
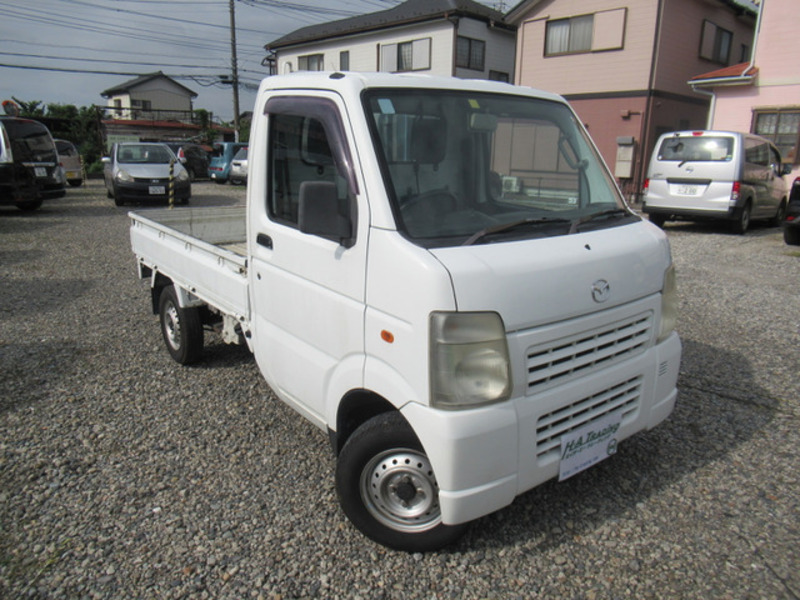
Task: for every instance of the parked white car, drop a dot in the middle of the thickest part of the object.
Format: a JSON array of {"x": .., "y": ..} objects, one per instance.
[
  {"x": 70, "y": 160},
  {"x": 722, "y": 175}
]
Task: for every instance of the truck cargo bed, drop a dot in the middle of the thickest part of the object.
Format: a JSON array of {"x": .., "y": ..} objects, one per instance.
[{"x": 202, "y": 250}]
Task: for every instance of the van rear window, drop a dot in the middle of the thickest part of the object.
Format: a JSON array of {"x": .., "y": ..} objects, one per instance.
[{"x": 700, "y": 148}]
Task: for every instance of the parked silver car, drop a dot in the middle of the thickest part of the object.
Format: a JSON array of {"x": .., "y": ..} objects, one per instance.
[
  {"x": 238, "y": 172},
  {"x": 715, "y": 175},
  {"x": 138, "y": 171}
]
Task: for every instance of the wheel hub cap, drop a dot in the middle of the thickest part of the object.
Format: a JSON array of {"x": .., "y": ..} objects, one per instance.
[{"x": 399, "y": 489}]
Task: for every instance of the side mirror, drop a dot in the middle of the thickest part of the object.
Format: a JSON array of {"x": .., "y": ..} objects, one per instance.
[
  {"x": 105, "y": 160},
  {"x": 319, "y": 213}
]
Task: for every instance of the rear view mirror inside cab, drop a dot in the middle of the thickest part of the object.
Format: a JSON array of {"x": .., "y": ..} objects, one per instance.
[{"x": 482, "y": 123}]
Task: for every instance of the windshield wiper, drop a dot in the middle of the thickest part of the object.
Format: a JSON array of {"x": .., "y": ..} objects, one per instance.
[
  {"x": 603, "y": 213},
  {"x": 503, "y": 227}
]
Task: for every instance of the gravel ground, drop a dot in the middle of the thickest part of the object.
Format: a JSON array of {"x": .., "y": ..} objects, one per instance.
[{"x": 125, "y": 475}]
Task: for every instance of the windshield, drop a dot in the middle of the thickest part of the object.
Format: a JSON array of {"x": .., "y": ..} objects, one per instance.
[
  {"x": 144, "y": 153},
  {"x": 696, "y": 149},
  {"x": 479, "y": 168}
]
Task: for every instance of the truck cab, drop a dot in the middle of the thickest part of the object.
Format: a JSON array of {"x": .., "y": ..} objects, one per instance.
[{"x": 457, "y": 256}]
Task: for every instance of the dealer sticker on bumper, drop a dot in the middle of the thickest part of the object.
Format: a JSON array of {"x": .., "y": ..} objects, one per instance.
[{"x": 588, "y": 445}]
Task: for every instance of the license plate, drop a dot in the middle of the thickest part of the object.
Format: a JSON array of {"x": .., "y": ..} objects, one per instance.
[
  {"x": 40, "y": 171},
  {"x": 687, "y": 190},
  {"x": 157, "y": 190},
  {"x": 588, "y": 445}
]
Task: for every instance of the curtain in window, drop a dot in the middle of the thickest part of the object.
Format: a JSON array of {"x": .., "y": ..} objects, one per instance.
[
  {"x": 405, "y": 57},
  {"x": 557, "y": 37},
  {"x": 580, "y": 33}
]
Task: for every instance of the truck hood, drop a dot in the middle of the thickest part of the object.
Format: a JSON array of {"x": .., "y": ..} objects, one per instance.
[{"x": 538, "y": 281}]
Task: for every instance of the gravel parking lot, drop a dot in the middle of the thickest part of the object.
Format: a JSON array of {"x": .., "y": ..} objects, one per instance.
[{"x": 125, "y": 475}]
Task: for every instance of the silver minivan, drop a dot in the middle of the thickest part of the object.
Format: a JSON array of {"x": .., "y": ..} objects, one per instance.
[{"x": 715, "y": 174}]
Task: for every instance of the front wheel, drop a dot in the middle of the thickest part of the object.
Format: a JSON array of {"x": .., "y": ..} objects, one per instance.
[
  {"x": 387, "y": 487},
  {"x": 181, "y": 327}
]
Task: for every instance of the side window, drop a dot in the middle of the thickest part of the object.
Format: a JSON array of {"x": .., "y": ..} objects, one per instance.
[{"x": 306, "y": 147}]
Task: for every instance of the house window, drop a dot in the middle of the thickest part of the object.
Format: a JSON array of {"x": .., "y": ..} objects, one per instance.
[
  {"x": 344, "y": 60},
  {"x": 744, "y": 54},
  {"x": 782, "y": 127},
  {"x": 566, "y": 36},
  {"x": 499, "y": 76},
  {"x": 311, "y": 62},
  {"x": 470, "y": 53},
  {"x": 413, "y": 55},
  {"x": 715, "y": 43}
]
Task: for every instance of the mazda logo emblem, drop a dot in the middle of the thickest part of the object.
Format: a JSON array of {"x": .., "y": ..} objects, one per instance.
[{"x": 601, "y": 290}]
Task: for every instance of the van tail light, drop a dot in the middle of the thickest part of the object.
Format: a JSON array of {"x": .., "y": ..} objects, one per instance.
[
  {"x": 735, "y": 190},
  {"x": 646, "y": 186}
]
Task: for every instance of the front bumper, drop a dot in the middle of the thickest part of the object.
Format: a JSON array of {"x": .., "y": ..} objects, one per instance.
[
  {"x": 142, "y": 191},
  {"x": 486, "y": 457}
]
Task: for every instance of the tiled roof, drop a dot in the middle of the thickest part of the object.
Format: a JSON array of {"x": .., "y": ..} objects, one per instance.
[
  {"x": 734, "y": 71},
  {"x": 410, "y": 11}
]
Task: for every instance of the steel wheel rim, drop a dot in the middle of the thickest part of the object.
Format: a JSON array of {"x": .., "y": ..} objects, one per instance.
[
  {"x": 172, "y": 326},
  {"x": 399, "y": 490}
]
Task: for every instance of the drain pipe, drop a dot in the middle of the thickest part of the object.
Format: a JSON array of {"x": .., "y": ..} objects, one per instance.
[{"x": 740, "y": 79}]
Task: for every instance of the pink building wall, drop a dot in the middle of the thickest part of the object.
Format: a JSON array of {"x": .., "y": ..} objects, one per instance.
[{"x": 777, "y": 83}]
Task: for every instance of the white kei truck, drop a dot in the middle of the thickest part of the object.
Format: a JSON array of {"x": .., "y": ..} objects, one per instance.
[{"x": 440, "y": 273}]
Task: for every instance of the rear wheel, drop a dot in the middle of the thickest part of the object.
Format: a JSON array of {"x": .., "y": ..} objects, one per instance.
[
  {"x": 387, "y": 487},
  {"x": 29, "y": 205},
  {"x": 780, "y": 215},
  {"x": 741, "y": 224},
  {"x": 181, "y": 328}
]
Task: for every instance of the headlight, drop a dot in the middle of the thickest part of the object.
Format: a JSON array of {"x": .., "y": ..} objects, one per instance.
[
  {"x": 469, "y": 360},
  {"x": 669, "y": 304},
  {"x": 183, "y": 175},
  {"x": 123, "y": 176}
]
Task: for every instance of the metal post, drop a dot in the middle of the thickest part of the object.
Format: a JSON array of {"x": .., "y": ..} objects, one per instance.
[
  {"x": 235, "y": 73},
  {"x": 171, "y": 184}
]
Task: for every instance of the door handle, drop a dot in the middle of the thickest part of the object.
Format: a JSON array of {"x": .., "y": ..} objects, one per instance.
[{"x": 262, "y": 239}]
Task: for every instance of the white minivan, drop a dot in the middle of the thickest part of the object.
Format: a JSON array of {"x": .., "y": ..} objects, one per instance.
[{"x": 715, "y": 174}]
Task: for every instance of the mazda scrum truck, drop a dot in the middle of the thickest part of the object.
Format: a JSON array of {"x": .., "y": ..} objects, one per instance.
[{"x": 443, "y": 276}]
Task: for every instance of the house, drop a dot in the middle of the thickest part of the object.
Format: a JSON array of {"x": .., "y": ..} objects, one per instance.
[
  {"x": 154, "y": 107},
  {"x": 762, "y": 95},
  {"x": 458, "y": 38},
  {"x": 623, "y": 65},
  {"x": 154, "y": 96}
]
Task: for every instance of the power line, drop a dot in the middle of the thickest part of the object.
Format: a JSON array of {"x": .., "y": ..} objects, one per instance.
[{"x": 104, "y": 60}]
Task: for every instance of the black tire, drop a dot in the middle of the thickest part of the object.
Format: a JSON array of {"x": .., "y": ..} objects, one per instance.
[
  {"x": 791, "y": 235},
  {"x": 30, "y": 205},
  {"x": 181, "y": 328},
  {"x": 741, "y": 224},
  {"x": 75, "y": 182},
  {"x": 780, "y": 215},
  {"x": 387, "y": 488},
  {"x": 658, "y": 220}
]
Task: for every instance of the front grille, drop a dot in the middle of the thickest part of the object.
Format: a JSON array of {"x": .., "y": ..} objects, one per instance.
[
  {"x": 624, "y": 397},
  {"x": 152, "y": 180},
  {"x": 568, "y": 358}
]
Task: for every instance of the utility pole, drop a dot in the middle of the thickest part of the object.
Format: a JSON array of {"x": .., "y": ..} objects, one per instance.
[{"x": 235, "y": 71}]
